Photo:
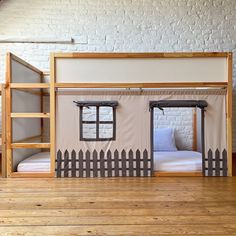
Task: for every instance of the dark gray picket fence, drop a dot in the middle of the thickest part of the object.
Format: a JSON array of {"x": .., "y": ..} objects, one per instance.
[
  {"x": 101, "y": 164},
  {"x": 216, "y": 163}
]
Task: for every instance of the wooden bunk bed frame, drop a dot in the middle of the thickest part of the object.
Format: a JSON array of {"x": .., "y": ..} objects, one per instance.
[
  {"x": 3, "y": 134},
  {"x": 53, "y": 85}
]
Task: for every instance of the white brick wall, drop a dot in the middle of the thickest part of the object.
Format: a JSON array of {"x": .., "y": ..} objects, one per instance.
[
  {"x": 118, "y": 25},
  {"x": 181, "y": 119}
]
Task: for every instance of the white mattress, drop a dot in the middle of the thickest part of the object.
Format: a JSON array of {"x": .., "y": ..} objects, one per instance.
[
  {"x": 39, "y": 162},
  {"x": 179, "y": 161}
]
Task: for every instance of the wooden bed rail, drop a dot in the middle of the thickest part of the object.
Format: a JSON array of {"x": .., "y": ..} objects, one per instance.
[{"x": 142, "y": 85}]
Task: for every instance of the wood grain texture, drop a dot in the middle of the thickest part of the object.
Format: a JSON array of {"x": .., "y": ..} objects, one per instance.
[
  {"x": 30, "y": 115},
  {"x": 29, "y": 85},
  {"x": 142, "y": 55},
  {"x": 229, "y": 114},
  {"x": 3, "y": 136},
  {"x": 118, "y": 206},
  {"x": 8, "y": 111},
  {"x": 143, "y": 85},
  {"x": 30, "y": 145},
  {"x": 52, "y": 112}
]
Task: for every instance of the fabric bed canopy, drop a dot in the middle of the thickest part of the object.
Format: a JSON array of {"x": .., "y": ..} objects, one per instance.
[{"x": 133, "y": 119}]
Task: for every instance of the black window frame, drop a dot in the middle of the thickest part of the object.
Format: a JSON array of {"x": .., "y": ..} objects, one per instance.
[{"x": 98, "y": 122}]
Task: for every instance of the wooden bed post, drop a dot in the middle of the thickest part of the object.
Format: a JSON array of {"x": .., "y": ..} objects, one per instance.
[
  {"x": 194, "y": 145},
  {"x": 52, "y": 113},
  {"x": 3, "y": 131},
  {"x": 8, "y": 115},
  {"x": 229, "y": 113}
]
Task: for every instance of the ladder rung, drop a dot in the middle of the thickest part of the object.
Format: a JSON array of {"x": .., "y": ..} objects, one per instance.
[
  {"x": 29, "y": 85},
  {"x": 30, "y": 115},
  {"x": 30, "y": 145}
]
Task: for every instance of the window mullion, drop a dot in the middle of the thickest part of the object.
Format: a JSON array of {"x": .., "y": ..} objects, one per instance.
[
  {"x": 97, "y": 123},
  {"x": 114, "y": 123},
  {"x": 81, "y": 123}
]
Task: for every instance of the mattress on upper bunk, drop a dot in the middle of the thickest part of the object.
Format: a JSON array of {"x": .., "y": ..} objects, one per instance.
[
  {"x": 177, "y": 161},
  {"x": 39, "y": 162}
]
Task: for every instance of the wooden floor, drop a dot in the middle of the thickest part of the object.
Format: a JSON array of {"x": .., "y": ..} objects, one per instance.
[{"x": 118, "y": 206}]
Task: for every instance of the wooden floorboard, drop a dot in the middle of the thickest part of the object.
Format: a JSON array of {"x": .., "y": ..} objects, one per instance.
[{"x": 118, "y": 206}]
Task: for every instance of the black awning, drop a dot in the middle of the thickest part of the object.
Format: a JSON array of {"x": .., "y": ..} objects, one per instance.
[
  {"x": 178, "y": 103},
  {"x": 96, "y": 103}
]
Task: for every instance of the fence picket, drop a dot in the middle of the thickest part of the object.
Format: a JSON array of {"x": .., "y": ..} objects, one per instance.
[
  {"x": 225, "y": 165},
  {"x": 138, "y": 156},
  {"x": 145, "y": 163},
  {"x": 81, "y": 156},
  {"x": 58, "y": 172},
  {"x": 95, "y": 163},
  {"x": 131, "y": 167},
  {"x": 109, "y": 164},
  {"x": 73, "y": 163},
  {"x": 123, "y": 162},
  {"x": 210, "y": 159},
  {"x": 87, "y": 159},
  {"x": 66, "y": 163},
  {"x": 102, "y": 163},
  {"x": 217, "y": 162},
  {"x": 116, "y": 160}
]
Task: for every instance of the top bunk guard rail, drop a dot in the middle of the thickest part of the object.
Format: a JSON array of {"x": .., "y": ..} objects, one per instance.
[{"x": 178, "y": 103}]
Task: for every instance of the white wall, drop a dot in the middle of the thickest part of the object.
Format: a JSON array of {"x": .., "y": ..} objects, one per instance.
[
  {"x": 118, "y": 25},
  {"x": 181, "y": 119}
]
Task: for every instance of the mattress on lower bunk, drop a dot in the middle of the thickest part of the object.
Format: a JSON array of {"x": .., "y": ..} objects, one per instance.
[
  {"x": 179, "y": 161},
  {"x": 39, "y": 162}
]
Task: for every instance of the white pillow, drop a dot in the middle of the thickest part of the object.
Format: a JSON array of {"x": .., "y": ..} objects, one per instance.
[{"x": 164, "y": 140}]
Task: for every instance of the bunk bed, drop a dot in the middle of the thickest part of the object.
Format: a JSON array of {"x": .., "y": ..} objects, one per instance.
[{"x": 51, "y": 123}]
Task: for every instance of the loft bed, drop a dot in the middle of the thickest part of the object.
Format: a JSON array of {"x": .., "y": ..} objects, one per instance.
[{"x": 118, "y": 82}]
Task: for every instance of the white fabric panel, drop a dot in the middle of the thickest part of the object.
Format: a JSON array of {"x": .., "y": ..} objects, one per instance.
[
  {"x": 179, "y": 161},
  {"x": 25, "y": 102},
  {"x": 39, "y": 162},
  {"x": 141, "y": 70},
  {"x": 22, "y": 74},
  {"x": 215, "y": 123},
  {"x": 46, "y": 122},
  {"x": 23, "y": 128},
  {"x": 129, "y": 116}
]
